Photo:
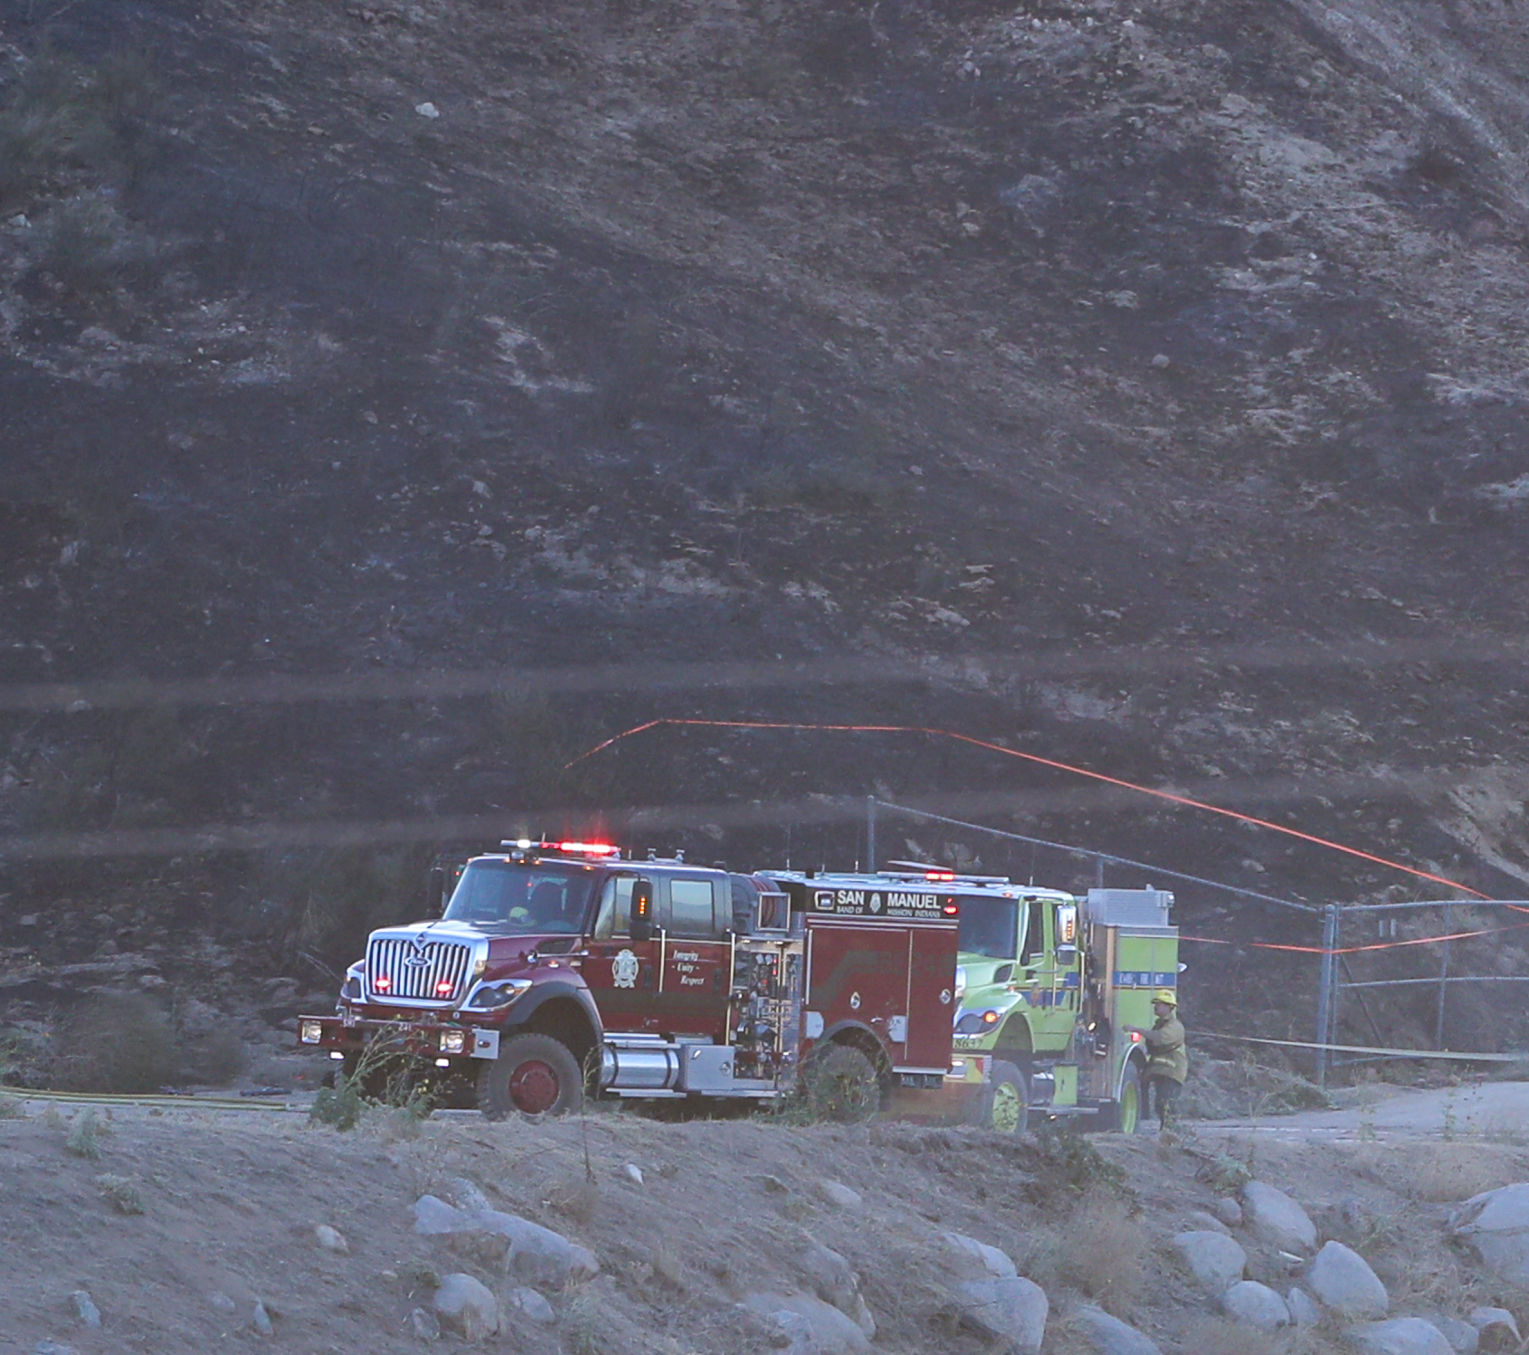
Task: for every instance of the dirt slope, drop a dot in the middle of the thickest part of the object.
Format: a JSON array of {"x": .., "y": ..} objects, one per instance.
[{"x": 230, "y": 1205}]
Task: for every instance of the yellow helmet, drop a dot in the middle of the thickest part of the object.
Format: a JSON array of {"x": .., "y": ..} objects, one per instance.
[{"x": 1166, "y": 995}]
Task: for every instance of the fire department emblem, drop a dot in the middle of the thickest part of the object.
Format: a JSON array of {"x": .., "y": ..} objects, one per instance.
[{"x": 624, "y": 970}]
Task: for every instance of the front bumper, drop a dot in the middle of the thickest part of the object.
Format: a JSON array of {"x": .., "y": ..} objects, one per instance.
[{"x": 433, "y": 1040}]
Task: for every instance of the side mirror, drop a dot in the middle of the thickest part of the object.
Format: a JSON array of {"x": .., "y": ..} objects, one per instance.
[
  {"x": 642, "y": 910},
  {"x": 1067, "y": 955},
  {"x": 435, "y": 898}
]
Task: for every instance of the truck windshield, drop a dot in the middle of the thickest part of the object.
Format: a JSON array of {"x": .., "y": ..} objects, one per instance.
[
  {"x": 990, "y": 927},
  {"x": 521, "y": 900}
]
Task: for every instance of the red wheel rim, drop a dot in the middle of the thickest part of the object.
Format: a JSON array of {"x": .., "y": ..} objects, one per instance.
[{"x": 534, "y": 1087}]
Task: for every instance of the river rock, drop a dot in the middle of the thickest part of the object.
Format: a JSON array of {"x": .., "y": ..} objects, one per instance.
[
  {"x": 331, "y": 1239},
  {"x": 467, "y": 1307},
  {"x": 996, "y": 1263},
  {"x": 835, "y": 1281},
  {"x": 1343, "y": 1280},
  {"x": 1463, "y": 1338},
  {"x": 424, "y": 1325},
  {"x": 1214, "y": 1259},
  {"x": 89, "y": 1315},
  {"x": 840, "y": 1195},
  {"x": 1304, "y": 1310},
  {"x": 1250, "y": 1304},
  {"x": 807, "y": 1326},
  {"x": 531, "y": 1303},
  {"x": 1399, "y": 1336},
  {"x": 1010, "y": 1309},
  {"x": 1106, "y": 1335},
  {"x": 1273, "y": 1217},
  {"x": 1228, "y": 1211},
  {"x": 1495, "y": 1225},
  {"x": 1496, "y": 1327},
  {"x": 1201, "y": 1222},
  {"x": 537, "y": 1254}
]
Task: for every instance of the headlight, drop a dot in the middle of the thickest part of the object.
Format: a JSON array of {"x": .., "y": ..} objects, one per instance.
[
  {"x": 499, "y": 994},
  {"x": 960, "y": 981},
  {"x": 453, "y": 1041},
  {"x": 311, "y": 1032}
]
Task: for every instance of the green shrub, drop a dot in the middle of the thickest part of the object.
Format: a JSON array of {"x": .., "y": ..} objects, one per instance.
[
  {"x": 121, "y": 1193},
  {"x": 84, "y": 1139}
]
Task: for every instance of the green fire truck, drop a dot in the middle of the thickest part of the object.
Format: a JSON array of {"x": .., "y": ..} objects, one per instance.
[{"x": 1057, "y": 989}]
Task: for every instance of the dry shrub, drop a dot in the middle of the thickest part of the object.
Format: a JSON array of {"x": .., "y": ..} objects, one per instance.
[
  {"x": 121, "y": 1193},
  {"x": 118, "y": 1042},
  {"x": 1099, "y": 1249},
  {"x": 1217, "y": 1336}
]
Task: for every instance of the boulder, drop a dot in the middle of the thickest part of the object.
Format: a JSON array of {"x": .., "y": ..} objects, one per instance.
[
  {"x": 88, "y": 1315},
  {"x": 1201, "y": 1222},
  {"x": 1250, "y": 1304},
  {"x": 996, "y": 1263},
  {"x": 1496, "y": 1328},
  {"x": 260, "y": 1320},
  {"x": 423, "y": 1325},
  {"x": 835, "y": 1281},
  {"x": 1495, "y": 1225},
  {"x": 1344, "y": 1282},
  {"x": 1010, "y": 1309},
  {"x": 466, "y": 1306},
  {"x": 537, "y": 1254},
  {"x": 1106, "y": 1335},
  {"x": 1273, "y": 1217},
  {"x": 1214, "y": 1259},
  {"x": 1304, "y": 1310},
  {"x": 1399, "y": 1336},
  {"x": 804, "y": 1325},
  {"x": 1463, "y": 1338},
  {"x": 1228, "y": 1211}
]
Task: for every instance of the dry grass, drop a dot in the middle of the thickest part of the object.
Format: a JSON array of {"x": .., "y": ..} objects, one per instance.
[
  {"x": 1098, "y": 1249},
  {"x": 1218, "y": 1336}
]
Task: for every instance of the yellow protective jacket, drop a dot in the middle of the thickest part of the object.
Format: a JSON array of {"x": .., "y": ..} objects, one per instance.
[{"x": 1166, "y": 1056}]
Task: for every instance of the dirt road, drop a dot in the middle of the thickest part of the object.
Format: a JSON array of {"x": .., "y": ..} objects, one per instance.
[{"x": 1487, "y": 1109}]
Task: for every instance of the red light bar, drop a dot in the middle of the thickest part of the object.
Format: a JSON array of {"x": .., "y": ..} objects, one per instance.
[
  {"x": 939, "y": 875},
  {"x": 585, "y": 848}
]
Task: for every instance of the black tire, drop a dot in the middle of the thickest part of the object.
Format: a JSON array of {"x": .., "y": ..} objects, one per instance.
[
  {"x": 1005, "y": 1102},
  {"x": 841, "y": 1084},
  {"x": 535, "y": 1076},
  {"x": 1131, "y": 1109}
]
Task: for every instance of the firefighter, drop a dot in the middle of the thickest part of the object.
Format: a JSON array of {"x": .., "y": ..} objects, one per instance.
[{"x": 1167, "y": 1061}]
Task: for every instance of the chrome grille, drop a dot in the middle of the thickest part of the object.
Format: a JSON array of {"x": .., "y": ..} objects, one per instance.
[{"x": 417, "y": 972}]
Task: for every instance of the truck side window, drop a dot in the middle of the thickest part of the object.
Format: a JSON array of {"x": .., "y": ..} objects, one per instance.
[
  {"x": 615, "y": 915},
  {"x": 1034, "y": 949},
  {"x": 692, "y": 910}
]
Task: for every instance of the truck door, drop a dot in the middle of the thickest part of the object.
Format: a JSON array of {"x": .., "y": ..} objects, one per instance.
[
  {"x": 622, "y": 974},
  {"x": 695, "y": 956}
]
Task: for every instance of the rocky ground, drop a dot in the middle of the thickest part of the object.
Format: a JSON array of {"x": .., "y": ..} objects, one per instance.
[{"x": 173, "y": 1230}]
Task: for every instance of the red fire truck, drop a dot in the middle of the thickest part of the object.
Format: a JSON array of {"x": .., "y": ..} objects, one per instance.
[{"x": 563, "y": 967}]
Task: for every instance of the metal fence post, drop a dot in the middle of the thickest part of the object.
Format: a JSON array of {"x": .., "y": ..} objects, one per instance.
[
  {"x": 870, "y": 834},
  {"x": 1325, "y": 995}
]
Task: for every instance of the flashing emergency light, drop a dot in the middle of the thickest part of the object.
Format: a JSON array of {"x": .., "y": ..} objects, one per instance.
[
  {"x": 586, "y": 848},
  {"x": 939, "y": 875},
  {"x": 950, "y": 908},
  {"x": 1136, "y": 1037},
  {"x": 382, "y": 983},
  {"x": 444, "y": 988}
]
